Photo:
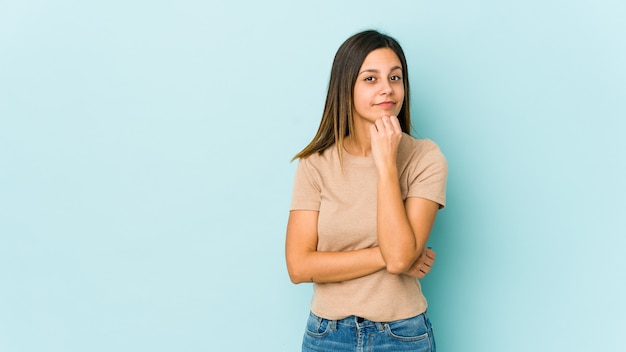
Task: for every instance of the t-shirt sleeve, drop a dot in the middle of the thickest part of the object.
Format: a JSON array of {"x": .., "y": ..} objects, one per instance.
[
  {"x": 430, "y": 176},
  {"x": 306, "y": 187}
]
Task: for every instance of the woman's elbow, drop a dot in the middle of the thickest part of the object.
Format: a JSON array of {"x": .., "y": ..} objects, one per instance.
[
  {"x": 397, "y": 267},
  {"x": 296, "y": 275},
  {"x": 295, "y": 279},
  {"x": 400, "y": 262}
]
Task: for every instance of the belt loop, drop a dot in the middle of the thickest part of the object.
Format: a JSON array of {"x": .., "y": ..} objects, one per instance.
[
  {"x": 333, "y": 324},
  {"x": 380, "y": 326}
]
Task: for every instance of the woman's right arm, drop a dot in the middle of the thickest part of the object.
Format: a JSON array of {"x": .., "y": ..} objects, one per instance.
[{"x": 306, "y": 264}]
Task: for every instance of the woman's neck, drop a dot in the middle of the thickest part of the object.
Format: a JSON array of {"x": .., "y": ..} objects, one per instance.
[{"x": 358, "y": 143}]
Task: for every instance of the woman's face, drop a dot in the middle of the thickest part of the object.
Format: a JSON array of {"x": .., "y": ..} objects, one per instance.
[{"x": 379, "y": 87}]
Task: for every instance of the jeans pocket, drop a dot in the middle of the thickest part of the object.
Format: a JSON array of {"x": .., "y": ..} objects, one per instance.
[
  {"x": 317, "y": 327},
  {"x": 408, "y": 330}
]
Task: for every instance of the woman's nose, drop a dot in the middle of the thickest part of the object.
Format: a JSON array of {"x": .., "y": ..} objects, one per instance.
[{"x": 386, "y": 87}]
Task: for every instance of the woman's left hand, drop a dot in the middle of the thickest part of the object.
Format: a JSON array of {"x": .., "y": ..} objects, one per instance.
[
  {"x": 385, "y": 134},
  {"x": 422, "y": 265}
]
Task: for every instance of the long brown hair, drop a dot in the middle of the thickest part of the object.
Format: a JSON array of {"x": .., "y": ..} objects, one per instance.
[{"x": 337, "y": 121}]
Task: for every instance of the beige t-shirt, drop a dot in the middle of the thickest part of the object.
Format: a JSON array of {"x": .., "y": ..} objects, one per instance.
[{"x": 346, "y": 201}]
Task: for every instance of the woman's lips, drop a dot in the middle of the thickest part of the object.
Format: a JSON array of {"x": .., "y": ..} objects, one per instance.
[{"x": 386, "y": 104}]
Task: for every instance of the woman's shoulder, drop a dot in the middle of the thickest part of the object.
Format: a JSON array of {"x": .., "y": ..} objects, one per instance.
[
  {"x": 417, "y": 147},
  {"x": 324, "y": 157}
]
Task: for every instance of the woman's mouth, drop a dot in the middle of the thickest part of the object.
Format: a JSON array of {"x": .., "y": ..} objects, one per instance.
[{"x": 386, "y": 104}]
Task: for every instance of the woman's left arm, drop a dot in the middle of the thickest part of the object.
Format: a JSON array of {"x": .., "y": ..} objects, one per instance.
[{"x": 403, "y": 227}]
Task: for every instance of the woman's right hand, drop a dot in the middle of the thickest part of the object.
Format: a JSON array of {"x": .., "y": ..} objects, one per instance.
[{"x": 422, "y": 264}]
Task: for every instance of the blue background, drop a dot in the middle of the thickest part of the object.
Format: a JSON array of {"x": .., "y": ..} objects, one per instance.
[{"x": 145, "y": 177}]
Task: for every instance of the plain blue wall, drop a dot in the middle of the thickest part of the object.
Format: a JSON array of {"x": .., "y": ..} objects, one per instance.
[{"x": 145, "y": 177}]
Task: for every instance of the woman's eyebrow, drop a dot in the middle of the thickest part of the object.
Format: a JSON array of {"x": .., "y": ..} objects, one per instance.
[{"x": 377, "y": 71}]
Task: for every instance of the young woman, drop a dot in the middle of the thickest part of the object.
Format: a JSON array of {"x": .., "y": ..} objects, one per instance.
[{"x": 365, "y": 198}]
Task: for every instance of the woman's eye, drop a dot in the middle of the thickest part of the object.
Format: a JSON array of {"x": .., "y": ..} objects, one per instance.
[
  {"x": 369, "y": 79},
  {"x": 396, "y": 78}
]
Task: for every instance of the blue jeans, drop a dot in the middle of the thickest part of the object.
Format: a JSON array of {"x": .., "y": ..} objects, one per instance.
[{"x": 356, "y": 334}]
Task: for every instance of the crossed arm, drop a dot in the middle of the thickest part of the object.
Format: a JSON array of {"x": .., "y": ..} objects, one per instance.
[
  {"x": 306, "y": 264},
  {"x": 403, "y": 227}
]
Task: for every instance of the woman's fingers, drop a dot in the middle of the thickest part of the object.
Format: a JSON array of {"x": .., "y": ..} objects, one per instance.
[
  {"x": 388, "y": 125},
  {"x": 395, "y": 123},
  {"x": 429, "y": 253},
  {"x": 385, "y": 138},
  {"x": 423, "y": 264},
  {"x": 380, "y": 126}
]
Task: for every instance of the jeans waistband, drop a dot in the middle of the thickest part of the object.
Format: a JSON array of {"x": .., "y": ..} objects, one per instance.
[
  {"x": 359, "y": 322},
  {"x": 354, "y": 320}
]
